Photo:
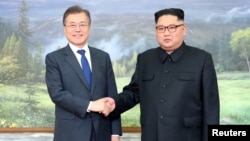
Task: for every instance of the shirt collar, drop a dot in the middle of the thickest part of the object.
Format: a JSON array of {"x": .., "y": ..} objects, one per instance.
[
  {"x": 75, "y": 48},
  {"x": 174, "y": 56}
]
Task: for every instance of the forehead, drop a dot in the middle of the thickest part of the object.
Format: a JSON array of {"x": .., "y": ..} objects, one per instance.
[
  {"x": 77, "y": 17},
  {"x": 167, "y": 20}
]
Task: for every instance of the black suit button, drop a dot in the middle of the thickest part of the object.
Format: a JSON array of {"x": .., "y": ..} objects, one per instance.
[{"x": 161, "y": 117}]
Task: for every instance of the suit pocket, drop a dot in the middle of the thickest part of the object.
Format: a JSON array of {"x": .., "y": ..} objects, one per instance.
[
  {"x": 192, "y": 121},
  {"x": 186, "y": 76}
]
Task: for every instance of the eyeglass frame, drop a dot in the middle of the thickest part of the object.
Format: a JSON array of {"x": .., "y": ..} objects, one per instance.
[
  {"x": 174, "y": 27},
  {"x": 75, "y": 25}
]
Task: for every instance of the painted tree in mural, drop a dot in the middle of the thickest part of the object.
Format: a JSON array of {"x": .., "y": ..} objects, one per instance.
[
  {"x": 23, "y": 23},
  {"x": 12, "y": 62},
  {"x": 20, "y": 66},
  {"x": 5, "y": 31},
  {"x": 125, "y": 65},
  {"x": 37, "y": 65},
  {"x": 15, "y": 48},
  {"x": 240, "y": 43}
]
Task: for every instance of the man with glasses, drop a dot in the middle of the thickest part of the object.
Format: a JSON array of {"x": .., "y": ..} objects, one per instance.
[
  {"x": 175, "y": 84},
  {"x": 80, "y": 79}
]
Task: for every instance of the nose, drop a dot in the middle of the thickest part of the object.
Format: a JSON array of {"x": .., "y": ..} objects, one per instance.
[
  {"x": 78, "y": 28},
  {"x": 166, "y": 32}
]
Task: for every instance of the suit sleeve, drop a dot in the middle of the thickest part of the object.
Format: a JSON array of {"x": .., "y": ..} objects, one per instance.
[
  {"x": 210, "y": 96},
  {"x": 129, "y": 97},
  {"x": 112, "y": 92}
]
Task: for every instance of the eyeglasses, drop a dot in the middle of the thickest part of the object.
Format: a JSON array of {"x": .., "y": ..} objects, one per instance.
[
  {"x": 74, "y": 26},
  {"x": 171, "y": 28}
]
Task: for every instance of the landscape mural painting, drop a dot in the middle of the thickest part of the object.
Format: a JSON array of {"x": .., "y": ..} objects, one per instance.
[{"x": 29, "y": 29}]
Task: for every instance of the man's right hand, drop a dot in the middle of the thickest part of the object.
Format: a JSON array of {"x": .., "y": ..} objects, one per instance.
[{"x": 103, "y": 105}]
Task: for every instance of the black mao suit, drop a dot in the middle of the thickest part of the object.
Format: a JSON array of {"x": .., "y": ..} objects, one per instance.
[
  {"x": 178, "y": 94},
  {"x": 69, "y": 91}
]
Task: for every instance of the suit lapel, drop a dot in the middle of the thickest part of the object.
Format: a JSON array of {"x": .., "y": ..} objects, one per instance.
[
  {"x": 72, "y": 61},
  {"x": 94, "y": 63}
]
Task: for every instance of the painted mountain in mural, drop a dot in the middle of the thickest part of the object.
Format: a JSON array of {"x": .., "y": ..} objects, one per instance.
[{"x": 127, "y": 26}]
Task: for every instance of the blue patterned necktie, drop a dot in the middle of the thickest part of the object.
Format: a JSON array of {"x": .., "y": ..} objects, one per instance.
[{"x": 85, "y": 67}]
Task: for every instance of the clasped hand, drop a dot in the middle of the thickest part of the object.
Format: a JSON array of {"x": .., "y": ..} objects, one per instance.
[{"x": 103, "y": 105}]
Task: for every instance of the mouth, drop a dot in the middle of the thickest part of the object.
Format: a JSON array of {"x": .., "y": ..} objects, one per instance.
[
  {"x": 167, "y": 40},
  {"x": 77, "y": 35}
]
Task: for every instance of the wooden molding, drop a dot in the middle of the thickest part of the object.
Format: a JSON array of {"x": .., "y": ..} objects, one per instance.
[
  {"x": 50, "y": 130},
  {"x": 131, "y": 129}
]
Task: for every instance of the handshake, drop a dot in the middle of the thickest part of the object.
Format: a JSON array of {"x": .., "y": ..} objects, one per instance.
[{"x": 103, "y": 106}]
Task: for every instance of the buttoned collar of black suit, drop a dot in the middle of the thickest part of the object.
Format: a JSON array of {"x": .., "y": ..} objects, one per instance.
[{"x": 174, "y": 56}]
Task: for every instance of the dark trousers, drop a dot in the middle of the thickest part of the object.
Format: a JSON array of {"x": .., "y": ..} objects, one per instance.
[{"x": 93, "y": 135}]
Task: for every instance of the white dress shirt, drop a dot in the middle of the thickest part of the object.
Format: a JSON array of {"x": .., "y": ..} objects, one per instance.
[{"x": 78, "y": 56}]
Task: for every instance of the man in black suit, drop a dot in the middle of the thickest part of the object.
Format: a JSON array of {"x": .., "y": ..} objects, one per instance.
[
  {"x": 81, "y": 109},
  {"x": 175, "y": 84}
]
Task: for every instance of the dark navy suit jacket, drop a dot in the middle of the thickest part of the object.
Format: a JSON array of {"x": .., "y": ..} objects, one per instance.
[{"x": 69, "y": 91}]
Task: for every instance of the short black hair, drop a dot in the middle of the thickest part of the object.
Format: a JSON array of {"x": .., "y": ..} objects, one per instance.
[
  {"x": 74, "y": 10},
  {"x": 170, "y": 11}
]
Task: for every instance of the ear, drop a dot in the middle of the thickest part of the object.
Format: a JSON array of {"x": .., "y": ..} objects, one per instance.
[{"x": 185, "y": 29}]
